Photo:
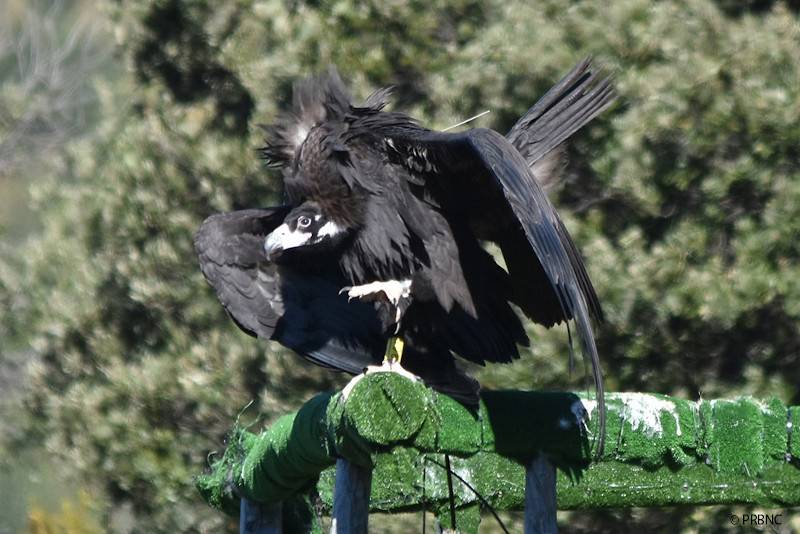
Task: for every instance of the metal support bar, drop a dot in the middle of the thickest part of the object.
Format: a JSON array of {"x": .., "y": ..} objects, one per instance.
[
  {"x": 260, "y": 518},
  {"x": 540, "y": 497},
  {"x": 350, "y": 514}
]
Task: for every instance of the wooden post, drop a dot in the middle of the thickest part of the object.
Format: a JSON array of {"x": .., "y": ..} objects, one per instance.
[
  {"x": 260, "y": 518},
  {"x": 540, "y": 497},
  {"x": 351, "y": 492}
]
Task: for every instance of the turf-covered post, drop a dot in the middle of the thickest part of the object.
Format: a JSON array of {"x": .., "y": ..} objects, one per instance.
[
  {"x": 660, "y": 451},
  {"x": 351, "y": 492},
  {"x": 260, "y": 518},
  {"x": 540, "y": 497}
]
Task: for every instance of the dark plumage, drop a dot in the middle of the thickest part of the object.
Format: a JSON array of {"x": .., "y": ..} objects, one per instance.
[{"x": 373, "y": 196}]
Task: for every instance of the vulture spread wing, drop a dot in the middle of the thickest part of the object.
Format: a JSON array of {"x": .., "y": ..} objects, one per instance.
[
  {"x": 489, "y": 180},
  {"x": 301, "y": 310},
  {"x": 479, "y": 176}
]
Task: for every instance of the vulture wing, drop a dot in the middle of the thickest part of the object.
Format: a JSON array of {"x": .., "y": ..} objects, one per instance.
[
  {"x": 302, "y": 311},
  {"x": 488, "y": 180},
  {"x": 481, "y": 177}
]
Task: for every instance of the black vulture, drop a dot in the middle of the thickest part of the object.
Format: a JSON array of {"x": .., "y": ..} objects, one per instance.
[{"x": 381, "y": 236}]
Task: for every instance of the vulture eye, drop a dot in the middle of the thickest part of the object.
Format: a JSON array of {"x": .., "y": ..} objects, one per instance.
[{"x": 303, "y": 221}]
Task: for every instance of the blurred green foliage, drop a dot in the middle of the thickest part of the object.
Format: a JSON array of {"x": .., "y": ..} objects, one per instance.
[
  {"x": 72, "y": 518},
  {"x": 684, "y": 200}
]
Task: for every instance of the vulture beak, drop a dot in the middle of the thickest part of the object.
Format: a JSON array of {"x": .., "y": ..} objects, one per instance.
[{"x": 283, "y": 238}]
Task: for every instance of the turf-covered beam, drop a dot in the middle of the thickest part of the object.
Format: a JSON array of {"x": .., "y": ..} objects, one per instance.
[{"x": 659, "y": 450}]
